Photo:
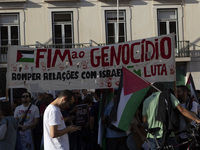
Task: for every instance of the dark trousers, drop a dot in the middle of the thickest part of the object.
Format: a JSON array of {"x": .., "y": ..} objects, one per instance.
[
  {"x": 170, "y": 141},
  {"x": 118, "y": 143}
]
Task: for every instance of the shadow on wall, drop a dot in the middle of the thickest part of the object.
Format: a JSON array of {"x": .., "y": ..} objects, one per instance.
[
  {"x": 29, "y": 4},
  {"x": 144, "y": 2},
  {"x": 72, "y": 3},
  {"x": 177, "y": 1},
  {"x": 132, "y": 2},
  {"x": 194, "y": 46}
]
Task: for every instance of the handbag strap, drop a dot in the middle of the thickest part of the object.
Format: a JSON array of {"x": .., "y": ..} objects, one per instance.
[{"x": 23, "y": 119}]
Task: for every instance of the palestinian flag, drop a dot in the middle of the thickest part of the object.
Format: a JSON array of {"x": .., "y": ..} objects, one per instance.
[
  {"x": 107, "y": 95},
  {"x": 25, "y": 56},
  {"x": 132, "y": 90},
  {"x": 191, "y": 86}
]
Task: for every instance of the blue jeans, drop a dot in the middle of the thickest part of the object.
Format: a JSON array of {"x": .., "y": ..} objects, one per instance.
[
  {"x": 170, "y": 141},
  {"x": 18, "y": 145}
]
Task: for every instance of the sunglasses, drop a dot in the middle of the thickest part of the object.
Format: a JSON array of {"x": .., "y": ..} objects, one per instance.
[{"x": 25, "y": 96}]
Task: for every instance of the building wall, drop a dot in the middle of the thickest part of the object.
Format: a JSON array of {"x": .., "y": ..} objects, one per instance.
[
  {"x": 193, "y": 68},
  {"x": 89, "y": 20},
  {"x": 143, "y": 22},
  {"x": 192, "y": 31}
]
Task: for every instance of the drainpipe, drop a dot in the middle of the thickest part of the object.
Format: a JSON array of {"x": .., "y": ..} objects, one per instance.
[
  {"x": 78, "y": 25},
  {"x": 182, "y": 6},
  {"x": 117, "y": 21},
  {"x": 24, "y": 23},
  {"x": 131, "y": 18}
]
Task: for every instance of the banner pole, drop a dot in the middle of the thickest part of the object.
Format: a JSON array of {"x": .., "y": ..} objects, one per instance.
[
  {"x": 6, "y": 94},
  {"x": 117, "y": 34},
  {"x": 175, "y": 88}
]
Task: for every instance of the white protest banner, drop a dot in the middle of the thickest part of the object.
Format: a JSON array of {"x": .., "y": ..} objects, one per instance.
[{"x": 92, "y": 67}]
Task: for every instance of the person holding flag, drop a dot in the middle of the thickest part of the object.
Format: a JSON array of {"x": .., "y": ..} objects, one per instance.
[
  {"x": 149, "y": 113},
  {"x": 124, "y": 106},
  {"x": 115, "y": 138}
]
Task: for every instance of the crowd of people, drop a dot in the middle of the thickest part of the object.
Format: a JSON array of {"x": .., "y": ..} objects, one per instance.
[{"x": 70, "y": 121}]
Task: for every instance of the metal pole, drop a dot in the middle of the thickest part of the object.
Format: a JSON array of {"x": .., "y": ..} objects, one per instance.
[
  {"x": 11, "y": 95},
  {"x": 117, "y": 21}
]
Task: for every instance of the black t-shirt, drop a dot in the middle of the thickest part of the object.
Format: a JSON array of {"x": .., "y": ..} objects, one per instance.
[{"x": 94, "y": 112}]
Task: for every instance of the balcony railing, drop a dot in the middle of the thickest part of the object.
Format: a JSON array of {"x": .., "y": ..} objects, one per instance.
[
  {"x": 4, "y": 49},
  {"x": 182, "y": 51},
  {"x": 3, "y": 54},
  {"x": 81, "y": 45}
]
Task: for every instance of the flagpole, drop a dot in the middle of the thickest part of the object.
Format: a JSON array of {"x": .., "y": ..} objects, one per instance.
[
  {"x": 7, "y": 95},
  {"x": 174, "y": 87}
]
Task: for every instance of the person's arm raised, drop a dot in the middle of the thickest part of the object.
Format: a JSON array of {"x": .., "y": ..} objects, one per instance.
[{"x": 188, "y": 114}]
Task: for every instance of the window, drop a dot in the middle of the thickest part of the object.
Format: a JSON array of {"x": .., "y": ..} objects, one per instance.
[
  {"x": 168, "y": 22},
  {"x": 63, "y": 29},
  {"x": 111, "y": 27},
  {"x": 9, "y": 33},
  {"x": 9, "y": 29}
]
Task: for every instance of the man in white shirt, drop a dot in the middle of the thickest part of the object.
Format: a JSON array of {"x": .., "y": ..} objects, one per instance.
[{"x": 55, "y": 130}]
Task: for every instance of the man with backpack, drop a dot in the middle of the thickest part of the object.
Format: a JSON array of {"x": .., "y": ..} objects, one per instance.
[{"x": 150, "y": 110}]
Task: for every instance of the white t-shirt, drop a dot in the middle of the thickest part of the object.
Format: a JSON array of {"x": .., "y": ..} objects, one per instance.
[
  {"x": 32, "y": 113},
  {"x": 53, "y": 116},
  {"x": 182, "y": 119}
]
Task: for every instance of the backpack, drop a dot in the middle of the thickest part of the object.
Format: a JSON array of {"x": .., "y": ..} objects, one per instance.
[{"x": 169, "y": 116}]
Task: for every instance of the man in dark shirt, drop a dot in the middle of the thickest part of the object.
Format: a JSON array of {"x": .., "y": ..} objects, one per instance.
[{"x": 93, "y": 121}]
